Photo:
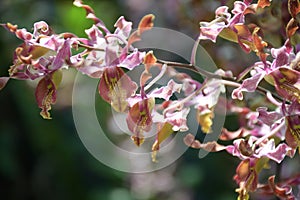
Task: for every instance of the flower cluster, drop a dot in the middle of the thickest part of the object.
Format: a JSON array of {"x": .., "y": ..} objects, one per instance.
[{"x": 267, "y": 132}]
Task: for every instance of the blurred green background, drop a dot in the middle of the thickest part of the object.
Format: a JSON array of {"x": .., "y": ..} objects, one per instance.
[{"x": 45, "y": 159}]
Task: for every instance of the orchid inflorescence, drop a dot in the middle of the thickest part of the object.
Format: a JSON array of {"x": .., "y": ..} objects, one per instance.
[{"x": 266, "y": 134}]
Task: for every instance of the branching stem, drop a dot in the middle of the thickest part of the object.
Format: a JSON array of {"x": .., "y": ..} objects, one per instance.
[
  {"x": 232, "y": 80},
  {"x": 273, "y": 132}
]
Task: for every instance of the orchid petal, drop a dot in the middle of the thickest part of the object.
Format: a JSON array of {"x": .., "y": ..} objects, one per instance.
[
  {"x": 166, "y": 92},
  {"x": 139, "y": 119},
  {"x": 287, "y": 83},
  {"x": 132, "y": 60},
  {"x": 210, "y": 31},
  {"x": 263, "y": 3},
  {"x": 123, "y": 27},
  {"x": 45, "y": 95},
  {"x": 178, "y": 119},
  {"x": 146, "y": 23},
  {"x": 90, "y": 14},
  {"x": 41, "y": 28},
  {"x": 268, "y": 118},
  {"x": 248, "y": 85},
  {"x": 64, "y": 54},
  {"x": 115, "y": 87},
  {"x": 213, "y": 146},
  {"x": 3, "y": 82}
]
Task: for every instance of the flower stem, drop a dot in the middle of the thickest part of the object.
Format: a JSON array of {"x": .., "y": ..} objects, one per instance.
[
  {"x": 186, "y": 99},
  {"x": 162, "y": 72},
  {"x": 212, "y": 75},
  {"x": 194, "y": 52},
  {"x": 191, "y": 67},
  {"x": 272, "y": 99},
  {"x": 90, "y": 48},
  {"x": 273, "y": 132},
  {"x": 232, "y": 81}
]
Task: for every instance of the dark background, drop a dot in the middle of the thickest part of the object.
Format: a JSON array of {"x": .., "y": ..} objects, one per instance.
[{"x": 45, "y": 159}]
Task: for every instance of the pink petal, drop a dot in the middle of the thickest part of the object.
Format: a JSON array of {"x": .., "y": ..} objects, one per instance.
[
  {"x": 268, "y": 118},
  {"x": 166, "y": 92},
  {"x": 45, "y": 95},
  {"x": 41, "y": 28},
  {"x": 123, "y": 27},
  {"x": 178, "y": 119},
  {"x": 132, "y": 60},
  {"x": 3, "y": 82},
  {"x": 115, "y": 87},
  {"x": 211, "y": 31},
  {"x": 248, "y": 85}
]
